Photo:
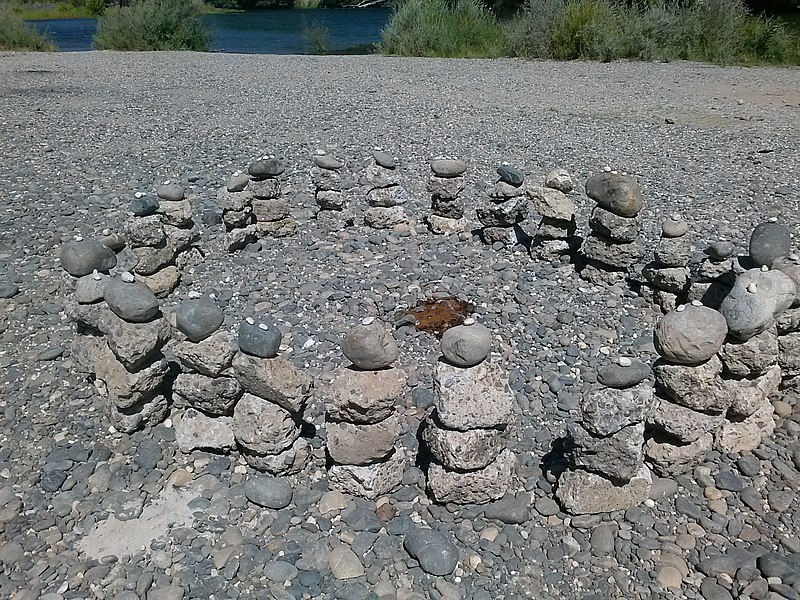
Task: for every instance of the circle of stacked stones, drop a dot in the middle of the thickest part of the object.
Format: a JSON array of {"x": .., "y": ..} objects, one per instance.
[
  {"x": 467, "y": 432},
  {"x": 385, "y": 195},
  {"x": 205, "y": 391},
  {"x": 668, "y": 274},
  {"x": 445, "y": 186},
  {"x": 362, "y": 423},
  {"x": 161, "y": 229},
  {"x": 614, "y": 244},
  {"x": 506, "y": 207},
  {"x": 254, "y": 206},
  {"x": 555, "y": 233}
]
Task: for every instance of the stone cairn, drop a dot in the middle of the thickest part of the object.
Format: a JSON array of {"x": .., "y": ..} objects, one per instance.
[
  {"x": 614, "y": 244},
  {"x": 385, "y": 195},
  {"x": 254, "y": 206},
  {"x": 445, "y": 186},
  {"x": 668, "y": 274},
  {"x": 713, "y": 277},
  {"x": 267, "y": 419},
  {"x": 607, "y": 471},
  {"x": 555, "y": 234},
  {"x": 362, "y": 423},
  {"x": 467, "y": 432},
  {"x": 329, "y": 190},
  {"x": 160, "y": 231},
  {"x": 505, "y": 208},
  {"x": 204, "y": 392}
]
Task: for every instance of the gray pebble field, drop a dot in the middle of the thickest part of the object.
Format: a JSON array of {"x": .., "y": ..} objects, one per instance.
[{"x": 88, "y": 512}]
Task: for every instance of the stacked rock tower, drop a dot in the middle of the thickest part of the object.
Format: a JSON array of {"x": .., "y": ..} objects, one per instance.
[
  {"x": 555, "y": 234},
  {"x": 467, "y": 432},
  {"x": 205, "y": 391},
  {"x": 445, "y": 185},
  {"x": 668, "y": 274},
  {"x": 267, "y": 419},
  {"x": 505, "y": 208},
  {"x": 362, "y": 423},
  {"x": 607, "y": 471},
  {"x": 270, "y": 206},
  {"x": 614, "y": 244},
  {"x": 713, "y": 277},
  {"x": 385, "y": 195},
  {"x": 329, "y": 190},
  {"x": 236, "y": 202},
  {"x": 160, "y": 231}
]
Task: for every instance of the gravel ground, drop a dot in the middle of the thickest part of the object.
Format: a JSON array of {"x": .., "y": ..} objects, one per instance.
[{"x": 81, "y": 133}]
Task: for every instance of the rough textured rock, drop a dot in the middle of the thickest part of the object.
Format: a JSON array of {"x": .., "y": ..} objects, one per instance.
[
  {"x": 463, "y": 450},
  {"x": 81, "y": 258},
  {"x": 263, "y": 427},
  {"x": 289, "y": 461},
  {"x": 466, "y": 345},
  {"x": 690, "y": 336},
  {"x": 617, "y": 255},
  {"x": 550, "y": 203},
  {"x": 145, "y": 413},
  {"x": 670, "y": 459},
  {"x": 267, "y": 205},
  {"x": 560, "y": 179},
  {"x": 352, "y": 444},
  {"x": 209, "y": 357},
  {"x": 471, "y": 398},
  {"x": 370, "y": 346},
  {"x": 472, "y": 487},
  {"x": 614, "y": 227},
  {"x": 194, "y": 430},
  {"x": 363, "y": 397},
  {"x": 126, "y": 388},
  {"x": 768, "y": 242},
  {"x": 673, "y": 252},
  {"x": 684, "y": 424},
  {"x": 275, "y": 379},
  {"x": 748, "y": 395},
  {"x": 581, "y": 492},
  {"x": 756, "y": 299},
  {"x": 369, "y": 481},
  {"x": 387, "y": 197},
  {"x": 618, "y": 455},
  {"x": 789, "y": 354},
  {"x": 752, "y": 357},
  {"x": 606, "y": 411},
  {"x": 745, "y": 436},
  {"x": 697, "y": 387},
  {"x": 384, "y": 218},
  {"x": 215, "y": 396},
  {"x": 162, "y": 282},
  {"x": 615, "y": 192}
]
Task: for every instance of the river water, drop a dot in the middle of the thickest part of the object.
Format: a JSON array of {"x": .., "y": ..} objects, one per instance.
[{"x": 279, "y": 31}]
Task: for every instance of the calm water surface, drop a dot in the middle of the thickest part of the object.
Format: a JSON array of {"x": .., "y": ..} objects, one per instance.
[{"x": 252, "y": 32}]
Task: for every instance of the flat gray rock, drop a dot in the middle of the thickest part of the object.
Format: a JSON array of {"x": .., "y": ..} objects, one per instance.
[
  {"x": 198, "y": 318},
  {"x": 132, "y": 301},
  {"x": 81, "y": 258},
  {"x": 448, "y": 168},
  {"x": 269, "y": 492},
  {"x": 265, "y": 168}
]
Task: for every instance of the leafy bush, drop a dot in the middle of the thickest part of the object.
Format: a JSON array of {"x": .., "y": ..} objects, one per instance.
[
  {"x": 529, "y": 32},
  {"x": 592, "y": 29},
  {"x": 15, "y": 34},
  {"x": 153, "y": 25},
  {"x": 317, "y": 36},
  {"x": 461, "y": 28}
]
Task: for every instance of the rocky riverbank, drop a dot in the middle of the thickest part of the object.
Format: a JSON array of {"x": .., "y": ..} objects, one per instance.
[{"x": 89, "y": 512}]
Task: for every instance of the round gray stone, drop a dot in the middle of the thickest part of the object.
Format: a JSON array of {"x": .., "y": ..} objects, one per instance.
[
  {"x": 370, "y": 347},
  {"x": 616, "y": 376},
  {"x": 269, "y": 492},
  {"x": 615, "y": 192},
  {"x": 511, "y": 175},
  {"x": 466, "y": 345},
  {"x": 198, "y": 318},
  {"x": 172, "y": 192},
  {"x": 261, "y": 338},
  {"x": 690, "y": 336},
  {"x": 144, "y": 206},
  {"x": 720, "y": 250},
  {"x": 384, "y": 160},
  {"x": 768, "y": 242},
  {"x": 133, "y": 302},
  {"x": 81, "y": 258},
  {"x": 674, "y": 227},
  {"x": 434, "y": 550},
  {"x": 237, "y": 182},
  {"x": 266, "y": 168},
  {"x": 448, "y": 168},
  {"x": 326, "y": 161}
]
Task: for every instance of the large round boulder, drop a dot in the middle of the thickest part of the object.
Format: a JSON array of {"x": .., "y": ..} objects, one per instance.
[
  {"x": 615, "y": 192},
  {"x": 132, "y": 301},
  {"x": 755, "y": 300},
  {"x": 81, "y": 258},
  {"x": 466, "y": 345},
  {"x": 690, "y": 336},
  {"x": 370, "y": 347},
  {"x": 768, "y": 242}
]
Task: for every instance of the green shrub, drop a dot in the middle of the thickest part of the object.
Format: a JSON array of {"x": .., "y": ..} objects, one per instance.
[
  {"x": 317, "y": 36},
  {"x": 529, "y": 31},
  {"x": 461, "y": 28},
  {"x": 15, "y": 34},
  {"x": 589, "y": 29},
  {"x": 153, "y": 25}
]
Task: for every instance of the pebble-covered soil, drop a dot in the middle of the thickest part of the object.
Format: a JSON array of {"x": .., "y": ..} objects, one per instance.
[{"x": 86, "y": 512}]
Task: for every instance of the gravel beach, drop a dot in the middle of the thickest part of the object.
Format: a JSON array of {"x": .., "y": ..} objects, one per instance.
[{"x": 88, "y": 512}]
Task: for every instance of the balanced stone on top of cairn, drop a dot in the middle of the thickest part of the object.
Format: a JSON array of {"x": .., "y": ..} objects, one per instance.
[
  {"x": 607, "y": 471},
  {"x": 506, "y": 207},
  {"x": 614, "y": 244},
  {"x": 445, "y": 186},
  {"x": 555, "y": 234},
  {"x": 160, "y": 231},
  {"x": 267, "y": 419},
  {"x": 362, "y": 423},
  {"x": 385, "y": 195},
  {"x": 125, "y": 334},
  {"x": 668, "y": 274},
  {"x": 205, "y": 391},
  {"x": 466, "y": 435},
  {"x": 713, "y": 277}
]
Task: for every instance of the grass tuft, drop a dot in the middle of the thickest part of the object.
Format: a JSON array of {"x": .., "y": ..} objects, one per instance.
[{"x": 17, "y": 35}]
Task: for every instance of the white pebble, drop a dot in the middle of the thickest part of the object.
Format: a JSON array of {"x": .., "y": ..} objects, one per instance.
[
  {"x": 624, "y": 361},
  {"x": 78, "y": 238},
  {"x": 697, "y": 303},
  {"x": 236, "y": 173},
  {"x": 607, "y": 169},
  {"x": 367, "y": 320},
  {"x": 106, "y": 231},
  {"x": 250, "y": 321},
  {"x": 650, "y": 503},
  {"x": 308, "y": 344},
  {"x": 764, "y": 268},
  {"x": 127, "y": 277},
  {"x": 138, "y": 194},
  {"x": 676, "y": 217},
  {"x": 605, "y": 351},
  {"x": 195, "y": 295},
  {"x": 263, "y": 326},
  {"x": 167, "y": 182},
  {"x": 794, "y": 257},
  {"x": 168, "y": 423},
  {"x": 752, "y": 288},
  {"x": 681, "y": 308},
  {"x": 469, "y": 321},
  {"x": 96, "y": 276},
  {"x": 773, "y": 219}
]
